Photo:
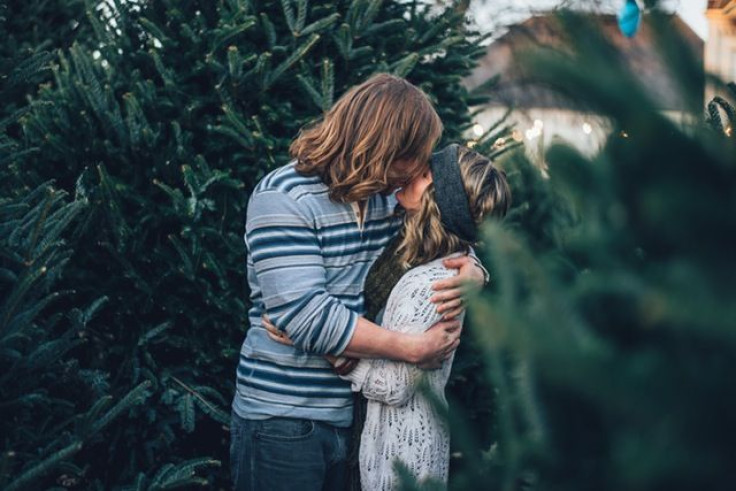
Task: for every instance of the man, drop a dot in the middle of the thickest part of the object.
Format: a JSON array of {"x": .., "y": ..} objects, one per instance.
[{"x": 313, "y": 229}]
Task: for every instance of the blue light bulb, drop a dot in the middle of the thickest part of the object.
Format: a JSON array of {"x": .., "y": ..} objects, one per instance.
[{"x": 629, "y": 18}]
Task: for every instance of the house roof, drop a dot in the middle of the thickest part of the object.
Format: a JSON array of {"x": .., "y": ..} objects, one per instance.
[
  {"x": 639, "y": 53},
  {"x": 727, "y": 7},
  {"x": 718, "y": 4}
]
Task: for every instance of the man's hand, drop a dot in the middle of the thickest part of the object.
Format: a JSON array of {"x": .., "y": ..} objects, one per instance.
[
  {"x": 437, "y": 344},
  {"x": 342, "y": 364},
  {"x": 450, "y": 291},
  {"x": 274, "y": 333}
]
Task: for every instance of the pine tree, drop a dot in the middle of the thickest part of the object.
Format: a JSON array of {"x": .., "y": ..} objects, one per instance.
[
  {"x": 162, "y": 121},
  {"x": 612, "y": 350}
]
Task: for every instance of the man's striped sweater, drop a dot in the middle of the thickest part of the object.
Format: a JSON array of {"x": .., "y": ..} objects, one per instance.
[{"x": 307, "y": 261}]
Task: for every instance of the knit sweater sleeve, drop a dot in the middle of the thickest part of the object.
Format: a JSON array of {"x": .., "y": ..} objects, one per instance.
[{"x": 409, "y": 311}]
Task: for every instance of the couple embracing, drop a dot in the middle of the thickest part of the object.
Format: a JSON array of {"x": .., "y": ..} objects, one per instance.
[{"x": 355, "y": 289}]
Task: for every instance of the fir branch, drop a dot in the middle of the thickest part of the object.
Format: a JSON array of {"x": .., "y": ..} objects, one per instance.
[
  {"x": 156, "y": 33},
  {"x": 153, "y": 332},
  {"x": 301, "y": 17},
  {"x": 59, "y": 221},
  {"x": 187, "y": 267},
  {"x": 172, "y": 476},
  {"x": 216, "y": 413},
  {"x": 28, "y": 280},
  {"x": 328, "y": 84},
  {"x": 404, "y": 66},
  {"x": 238, "y": 124},
  {"x": 269, "y": 30},
  {"x": 320, "y": 25},
  {"x": 136, "y": 396},
  {"x": 291, "y": 60},
  {"x": 385, "y": 28},
  {"x": 311, "y": 91},
  {"x": 225, "y": 36},
  {"x": 185, "y": 408},
  {"x": 27, "y": 69},
  {"x": 241, "y": 138},
  {"x": 113, "y": 213},
  {"x": 344, "y": 40},
  {"x": 289, "y": 14},
  {"x": 369, "y": 12},
  {"x": 234, "y": 62},
  {"x": 42, "y": 468}
]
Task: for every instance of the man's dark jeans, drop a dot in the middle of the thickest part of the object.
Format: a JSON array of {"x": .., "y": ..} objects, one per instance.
[{"x": 286, "y": 454}]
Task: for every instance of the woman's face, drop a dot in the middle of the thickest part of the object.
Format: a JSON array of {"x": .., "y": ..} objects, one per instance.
[{"x": 410, "y": 196}]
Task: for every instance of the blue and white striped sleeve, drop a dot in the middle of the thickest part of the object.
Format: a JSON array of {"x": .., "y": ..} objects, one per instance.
[{"x": 289, "y": 266}]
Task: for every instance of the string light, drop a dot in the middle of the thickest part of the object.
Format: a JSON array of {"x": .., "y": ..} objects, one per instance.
[
  {"x": 587, "y": 129},
  {"x": 478, "y": 129}
]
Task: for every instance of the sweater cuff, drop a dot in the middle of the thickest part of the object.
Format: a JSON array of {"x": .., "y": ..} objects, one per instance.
[
  {"x": 486, "y": 275},
  {"x": 347, "y": 334},
  {"x": 358, "y": 375}
]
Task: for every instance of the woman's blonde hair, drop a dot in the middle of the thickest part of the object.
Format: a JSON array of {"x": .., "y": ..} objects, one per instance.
[
  {"x": 373, "y": 125},
  {"x": 424, "y": 238}
]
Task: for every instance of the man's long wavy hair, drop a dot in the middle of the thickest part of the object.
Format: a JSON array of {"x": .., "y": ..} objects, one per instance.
[
  {"x": 424, "y": 238},
  {"x": 373, "y": 125}
]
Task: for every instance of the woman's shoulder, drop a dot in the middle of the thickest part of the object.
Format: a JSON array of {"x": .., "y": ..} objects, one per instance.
[
  {"x": 426, "y": 274},
  {"x": 409, "y": 299},
  {"x": 435, "y": 266}
]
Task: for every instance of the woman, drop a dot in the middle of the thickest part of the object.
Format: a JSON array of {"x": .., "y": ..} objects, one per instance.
[{"x": 443, "y": 207}]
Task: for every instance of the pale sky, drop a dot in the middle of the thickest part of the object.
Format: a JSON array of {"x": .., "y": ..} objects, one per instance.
[{"x": 491, "y": 13}]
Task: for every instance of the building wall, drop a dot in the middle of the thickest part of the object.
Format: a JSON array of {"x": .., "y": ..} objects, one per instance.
[{"x": 720, "y": 49}]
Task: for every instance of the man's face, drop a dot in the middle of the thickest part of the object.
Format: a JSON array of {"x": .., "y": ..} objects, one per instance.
[{"x": 401, "y": 172}]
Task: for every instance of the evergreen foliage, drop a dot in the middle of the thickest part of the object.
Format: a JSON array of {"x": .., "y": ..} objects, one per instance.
[
  {"x": 613, "y": 353},
  {"x": 160, "y": 119},
  {"x": 51, "y": 405},
  {"x": 30, "y": 30}
]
